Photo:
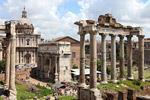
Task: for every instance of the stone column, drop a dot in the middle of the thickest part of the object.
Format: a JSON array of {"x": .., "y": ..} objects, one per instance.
[
  {"x": 7, "y": 68},
  {"x": 50, "y": 67},
  {"x": 121, "y": 57},
  {"x": 12, "y": 86},
  {"x": 93, "y": 61},
  {"x": 56, "y": 73},
  {"x": 141, "y": 58},
  {"x": 82, "y": 60},
  {"x": 104, "y": 67},
  {"x": 1, "y": 49},
  {"x": 129, "y": 57},
  {"x": 42, "y": 66},
  {"x": 113, "y": 58}
]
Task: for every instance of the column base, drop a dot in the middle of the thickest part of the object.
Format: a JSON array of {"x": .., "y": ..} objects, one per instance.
[
  {"x": 104, "y": 82},
  {"x": 130, "y": 78},
  {"x": 122, "y": 79},
  {"x": 143, "y": 80},
  {"x": 114, "y": 81},
  {"x": 12, "y": 95},
  {"x": 95, "y": 94}
]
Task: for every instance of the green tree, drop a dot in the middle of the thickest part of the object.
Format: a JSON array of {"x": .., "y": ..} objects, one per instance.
[{"x": 2, "y": 66}]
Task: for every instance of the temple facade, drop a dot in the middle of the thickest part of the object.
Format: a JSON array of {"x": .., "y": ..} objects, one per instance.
[{"x": 104, "y": 27}]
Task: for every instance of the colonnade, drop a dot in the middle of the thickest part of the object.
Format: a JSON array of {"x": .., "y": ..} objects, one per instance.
[{"x": 88, "y": 28}]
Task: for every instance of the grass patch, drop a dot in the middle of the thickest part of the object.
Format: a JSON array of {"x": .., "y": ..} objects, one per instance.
[
  {"x": 23, "y": 92},
  {"x": 122, "y": 85},
  {"x": 67, "y": 98},
  {"x": 44, "y": 91},
  {"x": 110, "y": 86}
]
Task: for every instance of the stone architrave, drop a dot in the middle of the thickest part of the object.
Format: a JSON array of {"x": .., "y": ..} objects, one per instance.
[
  {"x": 82, "y": 60},
  {"x": 113, "y": 58},
  {"x": 93, "y": 60},
  {"x": 104, "y": 67},
  {"x": 129, "y": 57},
  {"x": 141, "y": 58},
  {"x": 121, "y": 57}
]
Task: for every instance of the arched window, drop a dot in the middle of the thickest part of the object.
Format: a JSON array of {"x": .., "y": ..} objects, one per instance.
[{"x": 28, "y": 40}]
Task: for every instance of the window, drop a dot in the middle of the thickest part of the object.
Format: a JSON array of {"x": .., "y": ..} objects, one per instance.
[
  {"x": 28, "y": 40},
  {"x": 22, "y": 40}
]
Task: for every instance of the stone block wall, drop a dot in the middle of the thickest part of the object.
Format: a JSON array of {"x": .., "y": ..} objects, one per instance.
[{"x": 88, "y": 94}]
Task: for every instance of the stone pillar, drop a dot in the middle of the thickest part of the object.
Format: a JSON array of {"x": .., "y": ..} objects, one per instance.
[
  {"x": 104, "y": 67},
  {"x": 50, "y": 67},
  {"x": 113, "y": 58},
  {"x": 93, "y": 61},
  {"x": 1, "y": 49},
  {"x": 41, "y": 66},
  {"x": 56, "y": 73},
  {"x": 12, "y": 86},
  {"x": 129, "y": 57},
  {"x": 121, "y": 57},
  {"x": 141, "y": 58},
  {"x": 7, "y": 68},
  {"x": 82, "y": 60}
]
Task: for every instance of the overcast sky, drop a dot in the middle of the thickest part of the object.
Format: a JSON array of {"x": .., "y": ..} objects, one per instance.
[{"x": 54, "y": 18}]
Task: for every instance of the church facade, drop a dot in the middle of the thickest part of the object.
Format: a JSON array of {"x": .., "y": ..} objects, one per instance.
[{"x": 27, "y": 41}]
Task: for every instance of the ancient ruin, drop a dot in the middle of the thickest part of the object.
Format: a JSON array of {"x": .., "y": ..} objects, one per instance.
[
  {"x": 107, "y": 25},
  {"x": 9, "y": 29}
]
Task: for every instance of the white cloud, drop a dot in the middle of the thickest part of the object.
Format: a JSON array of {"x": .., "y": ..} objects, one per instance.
[
  {"x": 128, "y": 12},
  {"x": 47, "y": 19},
  {"x": 44, "y": 15}
]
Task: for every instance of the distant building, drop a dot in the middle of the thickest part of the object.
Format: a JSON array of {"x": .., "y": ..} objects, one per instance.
[
  {"x": 27, "y": 41},
  {"x": 75, "y": 49},
  {"x": 54, "y": 61}
]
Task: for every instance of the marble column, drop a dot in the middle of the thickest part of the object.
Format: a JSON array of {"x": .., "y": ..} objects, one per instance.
[
  {"x": 7, "y": 68},
  {"x": 12, "y": 86},
  {"x": 104, "y": 67},
  {"x": 121, "y": 57},
  {"x": 12, "y": 63},
  {"x": 56, "y": 73},
  {"x": 129, "y": 57},
  {"x": 82, "y": 60},
  {"x": 113, "y": 58},
  {"x": 141, "y": 58},
  {"x": 93, "y": 61}
]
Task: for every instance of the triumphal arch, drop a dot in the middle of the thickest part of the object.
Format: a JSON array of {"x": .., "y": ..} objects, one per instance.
[
  {"x": 9, "y": 29},
  {"x": 107, "y": 26}
]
